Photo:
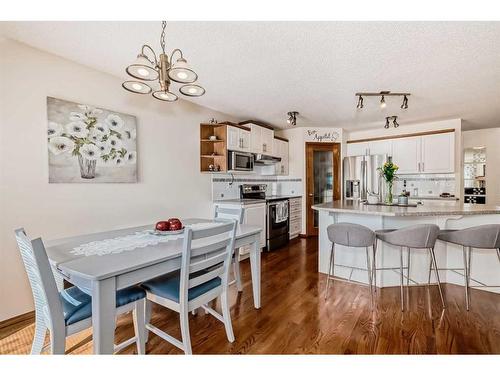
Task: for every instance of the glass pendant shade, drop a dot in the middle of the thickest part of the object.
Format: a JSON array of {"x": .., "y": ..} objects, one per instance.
[
  {"x": 164, "y": 95},
  {"x": 181, "y": 72},
  {"x": 142, "y": 69},
  {"x": 192, "y": 90},
  {"x": 137, "y": 87}
]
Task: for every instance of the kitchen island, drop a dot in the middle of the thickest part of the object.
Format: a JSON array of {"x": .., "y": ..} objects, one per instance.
[{"x": 485, "y": 265}]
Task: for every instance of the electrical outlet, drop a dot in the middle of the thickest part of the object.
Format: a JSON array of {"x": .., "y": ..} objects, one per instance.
[{"x": 222, "y": 195}]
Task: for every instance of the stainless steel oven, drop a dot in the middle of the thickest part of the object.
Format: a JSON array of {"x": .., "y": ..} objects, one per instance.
[
  {"x": 240, "y": 161},
  {"x": 278, "y": 223}
]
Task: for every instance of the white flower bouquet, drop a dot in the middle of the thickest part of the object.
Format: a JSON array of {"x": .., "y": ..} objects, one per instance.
[{"x": 90, "y": 139}]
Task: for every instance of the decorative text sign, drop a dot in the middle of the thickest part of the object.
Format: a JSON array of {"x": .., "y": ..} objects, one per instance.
[{"x": 326, "y": 135}]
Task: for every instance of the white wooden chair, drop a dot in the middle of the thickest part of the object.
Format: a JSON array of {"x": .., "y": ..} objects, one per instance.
[
  {"x": 238, "y": 215},
  {"x": 204, "y": 276},
  {"x": 65, "y": 312}
]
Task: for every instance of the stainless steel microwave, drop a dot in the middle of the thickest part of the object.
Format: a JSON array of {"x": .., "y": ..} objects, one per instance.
[{"x": 240, "y": 161}]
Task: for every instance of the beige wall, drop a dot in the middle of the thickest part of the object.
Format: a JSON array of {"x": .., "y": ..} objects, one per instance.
[
  {"x": 168, "y": 165},
  {"x": 489, "y": 138}
]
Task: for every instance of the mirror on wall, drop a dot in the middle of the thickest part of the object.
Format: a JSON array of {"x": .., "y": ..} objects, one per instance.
[{"x": 475, "y": 175}]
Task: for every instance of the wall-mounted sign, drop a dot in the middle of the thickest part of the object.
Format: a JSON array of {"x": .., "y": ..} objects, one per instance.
[{"x": 323, "y": 135}]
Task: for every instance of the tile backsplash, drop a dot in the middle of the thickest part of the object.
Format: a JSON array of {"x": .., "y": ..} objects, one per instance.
[
  {"x": 426, "y": 185},
  {"x": 227, "y": 186}
]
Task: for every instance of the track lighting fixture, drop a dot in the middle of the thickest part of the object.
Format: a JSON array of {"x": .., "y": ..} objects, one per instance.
[
  {"x": 382, "y": 95},
  {"x": 405, "y": 103},
  {"x": 394, "y": 122},
  {"x": 292, "y": 117},
  {"x": 360, "y": 102}
]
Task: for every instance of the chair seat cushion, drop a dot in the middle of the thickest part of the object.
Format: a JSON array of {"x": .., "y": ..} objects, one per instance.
[
  {"x": 168, "y": 286},
  {"x": 77, "y": 305}
]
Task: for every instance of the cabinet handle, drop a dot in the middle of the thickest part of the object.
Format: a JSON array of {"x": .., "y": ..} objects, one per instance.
[
  {"x": 419, "y": 166},
  {"x": 264, "y": 147},
  {"x": 423, "y": 168}
]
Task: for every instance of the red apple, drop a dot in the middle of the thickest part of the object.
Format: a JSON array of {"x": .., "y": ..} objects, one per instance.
[
  {"x": 162, "y": 226},
  {"x": 175, "y": 224}
]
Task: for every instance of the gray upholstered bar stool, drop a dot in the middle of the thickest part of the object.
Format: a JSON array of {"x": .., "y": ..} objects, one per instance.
[
  {"x": 479, "y": 237},
  {"x": 421, "y": 236},
  {"x": 352, "y": 235}
]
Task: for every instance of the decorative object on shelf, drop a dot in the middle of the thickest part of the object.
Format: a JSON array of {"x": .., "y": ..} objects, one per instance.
[
  {"x": 394, "y": 122},
  {"x": 292, "y": 117},
  {"x": 388, "y": 172},
  {"x": 212, "y": 121},
  {"x": 163, "y": 70},
  {"x": 88, "y": 144},
  {"x": 382, "y": 95},
  {"x": 213, "y": 137}
]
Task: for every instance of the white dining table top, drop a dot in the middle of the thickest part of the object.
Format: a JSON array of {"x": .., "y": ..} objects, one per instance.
[{"x": 98, "y": 267}]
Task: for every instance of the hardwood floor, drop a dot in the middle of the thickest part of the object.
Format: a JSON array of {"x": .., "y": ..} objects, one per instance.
[{"x": 295, "y": 318}]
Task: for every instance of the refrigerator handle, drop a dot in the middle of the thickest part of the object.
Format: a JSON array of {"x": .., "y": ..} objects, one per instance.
[{"x": 362, "y": 192}]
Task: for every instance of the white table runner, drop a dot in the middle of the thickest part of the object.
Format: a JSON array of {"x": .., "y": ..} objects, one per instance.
[{"x": 131, "y": 241}]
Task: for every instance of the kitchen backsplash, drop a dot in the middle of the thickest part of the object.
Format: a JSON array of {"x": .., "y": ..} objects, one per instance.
[
  {"x": 226, "y": 186},
  {"x": 426, "y": 185}
]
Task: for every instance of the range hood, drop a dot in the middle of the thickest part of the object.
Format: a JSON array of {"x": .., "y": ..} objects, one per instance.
[{"x": 266, "y": 159}]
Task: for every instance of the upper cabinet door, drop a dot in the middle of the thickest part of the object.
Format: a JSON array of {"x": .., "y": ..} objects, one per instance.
[
  {"x": 245, "y": 140},
  {"x": 356, "y": 149},
  {"x": 255, "y": 138},
  {"x": 406, "y": 153},
  {"x": 284, "y": 158},
  {"x": 380, "y": 147},
  {"x": 267, "y": 141},
  {"x": 438, "y": 153},
  {"x": 233, "y": 138}
]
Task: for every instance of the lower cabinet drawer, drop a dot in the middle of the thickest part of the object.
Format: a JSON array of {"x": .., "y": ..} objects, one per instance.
[{"x": 295, "y": 227}]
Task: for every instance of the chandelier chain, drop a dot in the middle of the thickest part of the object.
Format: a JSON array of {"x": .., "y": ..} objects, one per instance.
[{"x": 162, "y": 37}]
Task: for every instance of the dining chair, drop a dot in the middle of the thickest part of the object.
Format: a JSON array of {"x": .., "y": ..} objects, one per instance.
[
  {"x": 64, "y": 312},
  {"x": 203, "y": 276},
  {"x": 238, "y": 215}
]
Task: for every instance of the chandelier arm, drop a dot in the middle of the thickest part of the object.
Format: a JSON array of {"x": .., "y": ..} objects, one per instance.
[
  {"x": 145, "y": 46},
  {"x": 172, "y": 55}
]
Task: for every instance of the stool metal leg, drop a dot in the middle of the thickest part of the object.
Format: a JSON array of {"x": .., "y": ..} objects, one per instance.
[
  {"x": 433, "y": 255},
  {"x": 468, "y": 272},
  {"x": 466, "y": 278},
  {"x": 408, "y": 270},
  {"x": 369, "y": 271},
  {"x": 331, "y": 268},
  {"x": 498, "y": 254},
  {"x": 401, "y": 278},
  {"x": 430, "y": 271},
  {"x": 374, "y": 266}
]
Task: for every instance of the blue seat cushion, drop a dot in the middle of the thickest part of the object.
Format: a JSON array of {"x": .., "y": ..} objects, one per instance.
[
  {"x": 77, "y": 305},
  {"x": 167, "y": 286}
]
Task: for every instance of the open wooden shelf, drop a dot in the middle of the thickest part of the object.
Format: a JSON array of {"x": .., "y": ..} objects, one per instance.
[{"x": 208, "y": 147}]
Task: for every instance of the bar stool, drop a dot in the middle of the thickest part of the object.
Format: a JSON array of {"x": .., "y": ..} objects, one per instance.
[
  {"x": 421, "y": 236},
  {"x": 480, "y": 237},
  {"x": 352, "y": 235}
]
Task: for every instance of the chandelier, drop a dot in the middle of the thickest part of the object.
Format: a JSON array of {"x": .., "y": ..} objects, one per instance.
[{"x": 162, "y": 69}]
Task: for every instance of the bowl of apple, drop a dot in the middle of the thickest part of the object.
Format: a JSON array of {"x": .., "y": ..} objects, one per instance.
[{"x": 168, "y": 227}]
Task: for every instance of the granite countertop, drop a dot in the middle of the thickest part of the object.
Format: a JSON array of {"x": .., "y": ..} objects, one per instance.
[
  {"x": 433, "y": 197},
  {"x": 432, "y": 209}
]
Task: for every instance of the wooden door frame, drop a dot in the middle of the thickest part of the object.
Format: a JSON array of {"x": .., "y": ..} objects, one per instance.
[{"x": 309, "y": 148}]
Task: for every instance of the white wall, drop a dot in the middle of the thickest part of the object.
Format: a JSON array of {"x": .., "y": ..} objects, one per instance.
[
  {"x": 170, "y": 183},
  {"x": 489, "y": 138}
]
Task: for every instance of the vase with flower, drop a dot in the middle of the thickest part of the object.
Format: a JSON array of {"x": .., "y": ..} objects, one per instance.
[{"x": 388, "y": 172}]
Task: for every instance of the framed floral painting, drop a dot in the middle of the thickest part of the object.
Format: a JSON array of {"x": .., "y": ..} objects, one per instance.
[{"x": 90, "y": 144}]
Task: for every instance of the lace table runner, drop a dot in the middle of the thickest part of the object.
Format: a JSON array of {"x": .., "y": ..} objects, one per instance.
[{"x": 131, "y": 241}]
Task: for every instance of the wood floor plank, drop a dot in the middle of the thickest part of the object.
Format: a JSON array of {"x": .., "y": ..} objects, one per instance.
[{"x": 295, "y": 318}]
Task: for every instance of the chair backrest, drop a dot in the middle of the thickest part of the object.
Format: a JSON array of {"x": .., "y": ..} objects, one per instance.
[
  {"x": 349, "y": 234},
  {"x": 41, "y": 278},
  {"x": 420, "y": 236},
  {"x": 229, "y": 213},
  {"x": 207, "y": 254},
  {"x": 485, "y": 236}
]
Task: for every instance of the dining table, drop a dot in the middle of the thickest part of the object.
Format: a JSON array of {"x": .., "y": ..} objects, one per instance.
[{"x": 102, "y": 274}]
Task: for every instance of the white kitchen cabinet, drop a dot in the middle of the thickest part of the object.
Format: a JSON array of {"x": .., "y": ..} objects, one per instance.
[
  {"x": 267, "y": 141},
  {"x": 406, "y": 154},
  {"x": 438, "y": 153},
  {"x": 295, "y": 214},
  {"x": 238, "y": 139},
  {"x": 380, "y": 147},
  {"x": 280, "y": 148},
  {"x": 261, "y": 139},
  {"x": 356, "y": 149}
]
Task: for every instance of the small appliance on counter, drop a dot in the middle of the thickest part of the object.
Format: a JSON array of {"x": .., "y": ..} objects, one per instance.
[{"x": 277, "y": 215}]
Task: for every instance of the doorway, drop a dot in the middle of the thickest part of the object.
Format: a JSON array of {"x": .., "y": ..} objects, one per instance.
[{"x": 322, "y": 179}]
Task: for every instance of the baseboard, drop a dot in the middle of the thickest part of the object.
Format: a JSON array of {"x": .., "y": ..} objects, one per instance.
[{"x": 11, "y": 325}]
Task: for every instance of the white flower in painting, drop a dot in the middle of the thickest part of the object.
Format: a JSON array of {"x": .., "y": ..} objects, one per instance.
[
  {"x": 119, "y": 161},
  {"x": 89, "y": 111},
  {"x": 102, "y": 128},
  {"x": 90, "y": 151},
  {"x": 103, "y": 147},
  {"x": 114, "y": 142},
  {"x": 95, "y": 136},
  {"x": 114, "y": 122},
  {"x": 59, "y": 145},
  {"x": 77, "y": 116},
  {"x": 129, "y": 133},
  {"x": 54, "y": 129},
  {"x": 131, "y": 157},
  {"x": 77, "y": 129}
]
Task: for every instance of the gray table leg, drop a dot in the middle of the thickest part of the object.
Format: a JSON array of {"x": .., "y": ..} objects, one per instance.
[
  {"x": 255, "y": 269},
  {"x": 103, "y": 315}
]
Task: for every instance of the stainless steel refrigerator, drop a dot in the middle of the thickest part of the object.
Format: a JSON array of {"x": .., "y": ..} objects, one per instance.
[{"x": 361, "y": 176}]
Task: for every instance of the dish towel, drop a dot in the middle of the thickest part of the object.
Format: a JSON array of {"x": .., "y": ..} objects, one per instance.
[{"x": 281, "y": 211}]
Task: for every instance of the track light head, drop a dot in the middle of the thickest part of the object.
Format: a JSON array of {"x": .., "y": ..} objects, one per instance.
[
  {"x": 360, "y": 102},
  {"x": 383, "y": 104},
  {"x": 292, "y": 118},
  {"x": 405, "y": 103},
  {"x": 386, "y": 123},
  {"x": 394, "y": 122}
]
